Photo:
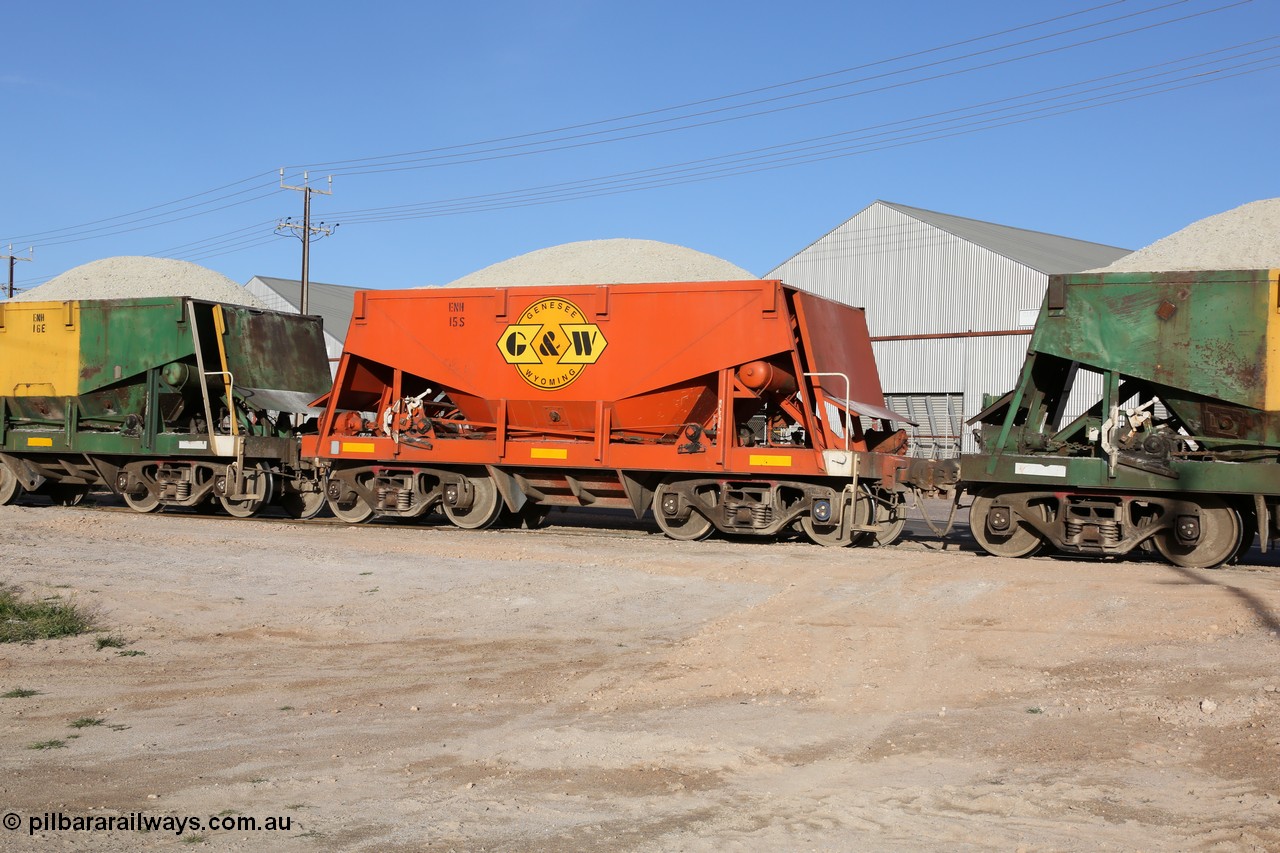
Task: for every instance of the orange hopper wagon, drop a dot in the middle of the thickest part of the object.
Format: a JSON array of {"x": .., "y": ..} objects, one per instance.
[{"x": 747, "y": 407}]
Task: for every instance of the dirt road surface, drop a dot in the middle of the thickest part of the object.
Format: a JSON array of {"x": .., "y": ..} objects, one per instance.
[{"x": 402, "y": 688}]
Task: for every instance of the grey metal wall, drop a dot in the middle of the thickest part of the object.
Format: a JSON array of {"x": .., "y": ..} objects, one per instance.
[
  {"x": 971, "y": 367},
  {"x": 939, "y": 422},
  {"x": 915, "y": 279}
]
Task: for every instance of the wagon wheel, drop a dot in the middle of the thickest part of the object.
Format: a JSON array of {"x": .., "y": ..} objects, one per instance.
[
  {"x": 839, "y": 535},
  {"x": 302, "y": 505},
  {"x": 1248, "y": 533},
  {"x": 891, "y": 518},
  {"x": 486, "y": 506},
  {"x": 692, "y": 529},
  {"x": 1220, "y": 535},
  {"x": 1021, "y": 541},
  {"x": 351, "y": 509},
  {"x": 244, "y": 508},
  {"x": 9, "y": 488},
  {"x": 145, "y": 502},
  {"x": 241, "y": 509}
]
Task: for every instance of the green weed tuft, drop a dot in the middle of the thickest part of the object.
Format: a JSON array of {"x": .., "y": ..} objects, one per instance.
[
  {"x": 23, "y": 619},
  {"x": 48, "y": 744}
]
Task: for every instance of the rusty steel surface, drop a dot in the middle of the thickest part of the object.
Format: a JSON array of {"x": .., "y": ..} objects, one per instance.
[
  {"x": 1211, "y": 333},
  {"x": 268, "y": 351},
  {"x": 837, "y": 341}
]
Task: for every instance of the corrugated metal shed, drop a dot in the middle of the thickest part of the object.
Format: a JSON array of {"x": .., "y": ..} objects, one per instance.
[
  {"x": 331, "y": 302},
  {"x": 950, "y": 301}
]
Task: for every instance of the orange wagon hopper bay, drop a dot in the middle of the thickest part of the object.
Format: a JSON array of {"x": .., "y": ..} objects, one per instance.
[{"x": 747, "y": 407}]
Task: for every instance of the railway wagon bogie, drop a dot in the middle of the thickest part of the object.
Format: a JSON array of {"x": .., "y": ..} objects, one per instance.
[
  {"x": 729, "y": 406},
  {"x": 1192, "y": 531},
  {"x": 1175, "y": 447},
  {"x": 168, "y": 401}
]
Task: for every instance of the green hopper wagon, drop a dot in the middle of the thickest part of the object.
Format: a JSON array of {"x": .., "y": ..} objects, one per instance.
[
  {"x": 1171, "y": 439},
  {"x": 169, "y": 401}
]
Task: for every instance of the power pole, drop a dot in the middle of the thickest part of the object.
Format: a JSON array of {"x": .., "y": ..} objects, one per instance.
[
  {"x": 13, "y": 259},
  {"x": 306, "y": 229}
]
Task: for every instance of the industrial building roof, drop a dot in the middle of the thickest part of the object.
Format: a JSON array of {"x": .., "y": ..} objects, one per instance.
[
  {"x": 332, "y": 302},
  {"x": 1047, "y": 253}
]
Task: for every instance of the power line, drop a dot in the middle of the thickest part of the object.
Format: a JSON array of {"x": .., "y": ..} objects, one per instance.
[
  {"x": 251, "y": 244},
  {"x": 338, "y": 164},
  {"x": 136, "y": 221},
  {"x": 122, "y": 230},
  {"x": 583, "y": 140},
  {"x": 57, "y": 232},
  {"x": 644, "y": 178},
  {"x": 171, "y": 250},
  {"x": 874, "y": 138},
  {"x": 75, "y": 231}
]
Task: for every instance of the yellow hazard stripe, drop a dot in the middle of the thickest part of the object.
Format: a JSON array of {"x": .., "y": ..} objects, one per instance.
[
  {"x": 358, "y": 446},
  {"x": 771, "y": 461},
  {"x": 39, "y": 442},
  {"x": 548, "y": 453}
]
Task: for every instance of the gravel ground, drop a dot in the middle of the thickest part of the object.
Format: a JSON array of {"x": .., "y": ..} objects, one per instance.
[
  {"x": 397, "y": 687},
  {"x": 1246, "y": 238},
  {"x": 617, "y": 261},
  {"x": 128, "y": 277}
]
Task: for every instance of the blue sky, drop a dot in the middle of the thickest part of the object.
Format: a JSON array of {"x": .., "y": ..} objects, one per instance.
[{"x": 148, "y": 128}]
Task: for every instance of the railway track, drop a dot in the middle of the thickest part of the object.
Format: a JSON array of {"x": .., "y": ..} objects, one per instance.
[
  {"x": 578, "y": 524},
  {"x": 608, "y": 526}
]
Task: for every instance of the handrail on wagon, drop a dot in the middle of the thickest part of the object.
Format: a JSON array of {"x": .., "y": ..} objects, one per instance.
[
  {"x": 231, "y": 403},
  {"x": 220, "y": 326}
]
